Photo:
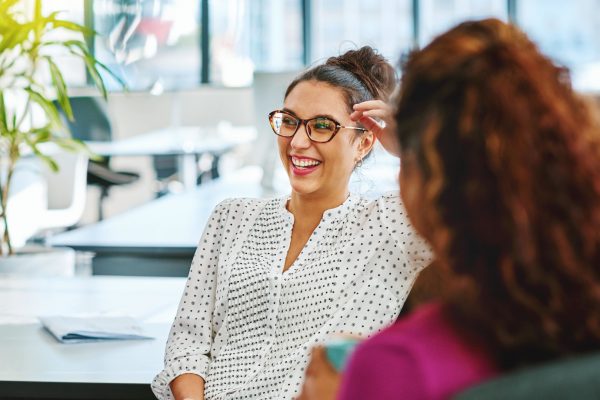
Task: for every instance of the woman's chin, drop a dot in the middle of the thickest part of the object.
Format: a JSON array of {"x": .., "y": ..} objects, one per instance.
[{"x": 303, "y": 185}]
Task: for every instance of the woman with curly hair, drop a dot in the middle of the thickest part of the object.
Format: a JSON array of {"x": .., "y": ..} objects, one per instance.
[{"x": 500, "y": 172}]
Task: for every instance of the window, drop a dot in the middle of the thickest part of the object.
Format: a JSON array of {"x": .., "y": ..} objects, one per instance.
[
  {"x": 436, "y": 16},
  {"x": 151, "y": 44},
  {"x": 276, "y": 43},
  {"x": 567, "y": 32},
  {"x": 230, "y": 62},
  {"x": 248, "y": 35},
  {"x": 156, "y": 44},
  {"x": 73, "y": 68},
  {"x": 339, "y": 25}
]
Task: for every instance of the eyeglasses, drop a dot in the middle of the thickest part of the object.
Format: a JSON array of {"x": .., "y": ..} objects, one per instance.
[{"x": 318, "y": 129}]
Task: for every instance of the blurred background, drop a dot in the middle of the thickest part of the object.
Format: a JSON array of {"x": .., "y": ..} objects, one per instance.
[
  {"x": 190, "y": 84},
  {"x": 194, "y": 62}
]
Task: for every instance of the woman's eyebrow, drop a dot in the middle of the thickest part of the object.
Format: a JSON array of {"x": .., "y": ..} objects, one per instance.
[{"x": 316, "y": 116}]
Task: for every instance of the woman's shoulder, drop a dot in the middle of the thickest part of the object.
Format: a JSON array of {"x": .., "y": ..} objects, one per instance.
[
  {"x": 388, "y": 201},
  {"x": 425, "y": 341},
  {"x": 420, "y": 356},
  {"x": 385, "y": 209},
  {"x": 426, "y": 321}
]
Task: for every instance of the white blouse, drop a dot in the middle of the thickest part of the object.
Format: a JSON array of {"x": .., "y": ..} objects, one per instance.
[{"x": 247, "y": 327}]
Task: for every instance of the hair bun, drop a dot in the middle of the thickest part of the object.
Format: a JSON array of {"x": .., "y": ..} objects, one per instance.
[{"x": 370, "y": 67}]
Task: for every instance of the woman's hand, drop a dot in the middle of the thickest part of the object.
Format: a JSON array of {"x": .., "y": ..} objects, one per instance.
[
  {"x": 368, "y": 112},
  {"x": 321, "y": 381}
]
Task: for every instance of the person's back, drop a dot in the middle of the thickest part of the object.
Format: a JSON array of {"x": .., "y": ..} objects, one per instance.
[
  {"x": 419, "y": 357},
  {"x": 500, "y": 174}
]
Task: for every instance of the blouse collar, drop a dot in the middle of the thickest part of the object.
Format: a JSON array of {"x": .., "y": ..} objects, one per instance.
[{"x": 333, "y": 214}]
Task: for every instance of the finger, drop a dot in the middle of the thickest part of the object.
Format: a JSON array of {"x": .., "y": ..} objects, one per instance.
[
  {"x": 318, "y": 360},
  {"x": 356, "y": 115},
  {"x": 311, "y": 368},
  {"x": 377, "y": 113},
  {"x": 372, "y": 125},
  {"x": 369, "y": 104},
  {"x": 322, "y": 361},
  {"x": 319, "y": 354}
]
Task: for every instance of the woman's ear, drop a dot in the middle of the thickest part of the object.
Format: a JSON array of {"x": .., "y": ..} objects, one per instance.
[{"x": 367, "y": 140}]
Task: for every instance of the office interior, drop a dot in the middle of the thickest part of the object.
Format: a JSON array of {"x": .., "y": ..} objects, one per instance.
[{"x": 184, "y": 127}]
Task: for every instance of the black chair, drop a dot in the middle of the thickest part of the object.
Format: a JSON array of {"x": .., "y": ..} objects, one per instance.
[
  {"x": 167, "y": 170},
  {"x": 577, "y": 379},
  {"x": 92, "y": 123}
]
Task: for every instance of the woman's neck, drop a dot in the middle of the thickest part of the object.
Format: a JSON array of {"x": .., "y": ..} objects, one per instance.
[{"x": 311, "y": 207}]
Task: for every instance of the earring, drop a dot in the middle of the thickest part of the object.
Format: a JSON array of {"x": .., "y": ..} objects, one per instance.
[{"x": 359, "y": 163}]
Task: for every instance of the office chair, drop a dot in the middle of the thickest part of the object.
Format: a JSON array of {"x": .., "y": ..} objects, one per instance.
[
  {"x": 575, "y": 378},
  {"x": 66, "y": 190},
  {"x": 92, "y": 123}
]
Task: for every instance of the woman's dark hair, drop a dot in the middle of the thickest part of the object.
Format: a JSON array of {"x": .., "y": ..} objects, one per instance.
[
  {"x": 361, "y": 74},
  {"x": 510, "y": 161}
]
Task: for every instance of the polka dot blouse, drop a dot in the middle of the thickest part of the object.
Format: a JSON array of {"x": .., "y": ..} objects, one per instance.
[{"x": 247, "y": 327}]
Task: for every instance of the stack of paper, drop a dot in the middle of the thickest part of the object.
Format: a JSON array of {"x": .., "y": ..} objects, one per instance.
[{"x": 86, "y": 329}]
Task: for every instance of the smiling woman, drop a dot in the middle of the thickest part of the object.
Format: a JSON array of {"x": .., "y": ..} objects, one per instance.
[{"x": 272, "y": 278}]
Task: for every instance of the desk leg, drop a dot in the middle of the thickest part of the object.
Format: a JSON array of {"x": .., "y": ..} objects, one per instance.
[{"x": 188, "y": 170}]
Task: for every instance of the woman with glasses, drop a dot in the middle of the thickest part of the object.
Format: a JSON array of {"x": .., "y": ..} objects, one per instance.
[{"x": 273, "y": 277}]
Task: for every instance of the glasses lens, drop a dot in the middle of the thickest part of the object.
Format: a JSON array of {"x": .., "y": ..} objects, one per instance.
[
  {"x": 321, "y": 129},
  {"x": 283, "y": 124}
]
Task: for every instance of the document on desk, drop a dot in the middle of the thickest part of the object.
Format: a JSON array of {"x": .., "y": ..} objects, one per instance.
[{"x": 89, "y": 329}]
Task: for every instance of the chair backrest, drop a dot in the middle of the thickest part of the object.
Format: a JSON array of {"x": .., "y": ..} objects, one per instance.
[
  {"x": 66, "y": 190},
  {"x": 27, "y": 201},
  {"x": 91, "y": 119},
  {"x": 577, "y": 378}
]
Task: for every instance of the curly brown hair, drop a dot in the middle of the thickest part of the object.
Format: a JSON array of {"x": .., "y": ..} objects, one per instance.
[{"x": 510, "y": 162}]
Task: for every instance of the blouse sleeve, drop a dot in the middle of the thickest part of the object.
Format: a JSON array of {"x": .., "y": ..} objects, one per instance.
[
  {"x": 377, "y": 372},
  {"x": 394, "y": 218},
  {"x": 190, "y": 339}
]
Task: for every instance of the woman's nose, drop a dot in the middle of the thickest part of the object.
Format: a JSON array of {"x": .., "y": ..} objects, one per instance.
[{"x": 301, "y": 139}]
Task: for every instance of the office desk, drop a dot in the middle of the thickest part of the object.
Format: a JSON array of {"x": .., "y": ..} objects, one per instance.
[
  {"x": 34, "y": 365},
  {"x": 184, "y": 142},
  {"x": 160, "y": 237}
]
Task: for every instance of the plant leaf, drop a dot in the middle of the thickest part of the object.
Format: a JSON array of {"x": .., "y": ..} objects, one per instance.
[
  {"x": 61, "y": 88},
  {"x": 72, "y": 26},
  {"x": 16, "y": 35},
  {"x": 42, "y": 135},
  {"x": 45, "y": 158},
  {"x": 81, "y": 46},
  {"x": 6, "y": 4},
  {"x": 113, "y": 75},
  {"x": 91, "y": 67},
  {"x": 3, "y": 121},
  {"x": 76, "y": 145},
  {"x": 48, "y": 107}
]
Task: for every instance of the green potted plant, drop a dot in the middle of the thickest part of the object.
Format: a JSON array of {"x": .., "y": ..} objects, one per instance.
[{"x": 32, "y": 83}]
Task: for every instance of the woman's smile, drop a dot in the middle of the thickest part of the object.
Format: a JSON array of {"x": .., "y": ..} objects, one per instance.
[{"x": 302, "y": 166}]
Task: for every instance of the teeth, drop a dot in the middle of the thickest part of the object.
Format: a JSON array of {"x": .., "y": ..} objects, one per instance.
[{"x": 304, "y": 162}]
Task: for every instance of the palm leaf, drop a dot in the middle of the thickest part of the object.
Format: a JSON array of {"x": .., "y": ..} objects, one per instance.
[
  {"x": 61, "y": 88},
  {"x": 47, "y": 106},
  {"x": 76, "y": 145},
  {"x": 3, "y": 121},
  {"x": 6, "y": 4},
  {"x": 45, "y": 158}
]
